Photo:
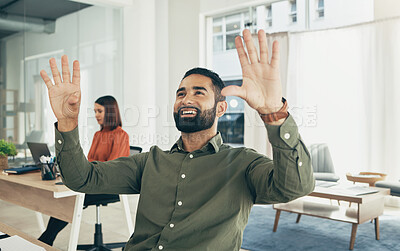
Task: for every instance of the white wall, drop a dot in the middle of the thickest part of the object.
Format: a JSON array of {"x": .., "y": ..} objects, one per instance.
[
  {"x": 341, "y": 13},
  {"x": 183, "y": 44},
  {"x": 161, "y": 44},
  {"x": 386, "y": 9},
  {"x": 281, "y": 20}
]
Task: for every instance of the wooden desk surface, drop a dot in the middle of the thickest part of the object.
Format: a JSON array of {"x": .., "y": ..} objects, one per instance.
[
  {"x": 34, "y": 179},
  {"x": 30, "y": 191},
  {"x": 12, "y": 231}
]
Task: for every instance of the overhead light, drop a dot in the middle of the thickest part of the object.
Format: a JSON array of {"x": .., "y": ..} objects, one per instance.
[{"x": 233, "y": 103}]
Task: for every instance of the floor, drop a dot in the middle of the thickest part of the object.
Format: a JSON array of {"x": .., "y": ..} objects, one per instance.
[{"x": 112, "y": 217}]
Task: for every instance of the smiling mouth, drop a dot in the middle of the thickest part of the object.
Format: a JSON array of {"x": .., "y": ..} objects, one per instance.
[{"x": 188, "y": 112}]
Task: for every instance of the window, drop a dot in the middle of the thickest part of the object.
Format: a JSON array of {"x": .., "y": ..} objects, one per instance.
[
  {"x": 226, "y": 28},
  {"x": 231, "y": 125},
  {"x": 233, "y": 27},
  {"x": 269, "y": 16},
  {"x": 218, "y": 39},
  {"x": 320, "y": 9},
  {"x": 293, "y": 11}
]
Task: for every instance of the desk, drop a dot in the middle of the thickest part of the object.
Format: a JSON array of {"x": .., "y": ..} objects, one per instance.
[
  {"x": 367, "y": 207},
  {"x": 12, "y": 231},
  {"x": 30, "y": 191}
]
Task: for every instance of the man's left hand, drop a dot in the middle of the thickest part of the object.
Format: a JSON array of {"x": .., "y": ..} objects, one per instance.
[{"x": 261, "y": 87}]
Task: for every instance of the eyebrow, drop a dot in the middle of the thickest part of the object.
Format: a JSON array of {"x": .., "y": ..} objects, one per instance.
[{"x": 194, "y": 88}]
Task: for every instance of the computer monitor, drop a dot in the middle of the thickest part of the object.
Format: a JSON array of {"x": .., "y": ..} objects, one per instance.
[{"x": 37, "y": 150}]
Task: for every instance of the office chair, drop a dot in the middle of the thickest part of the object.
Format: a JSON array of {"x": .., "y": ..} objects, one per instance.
[
  {"x": 135, "y": 149},
  {"x": 322, "y": 163},
  {"x": 104, "y": 200}
]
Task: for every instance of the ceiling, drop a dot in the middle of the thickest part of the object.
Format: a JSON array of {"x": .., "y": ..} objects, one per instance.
[{"x": 33, "y": 15}]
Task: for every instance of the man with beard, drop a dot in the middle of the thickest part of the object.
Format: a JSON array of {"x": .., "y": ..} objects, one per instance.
[{"x": 198, "y": 195}]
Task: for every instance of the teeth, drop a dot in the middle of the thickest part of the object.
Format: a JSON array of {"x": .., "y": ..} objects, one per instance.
[{"x": 188, "y": 112}]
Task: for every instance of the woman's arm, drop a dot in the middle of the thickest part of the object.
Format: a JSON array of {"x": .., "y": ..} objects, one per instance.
[{"x": 120, "y": 146}]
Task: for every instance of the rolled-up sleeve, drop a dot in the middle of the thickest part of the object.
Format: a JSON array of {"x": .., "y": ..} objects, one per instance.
[
  {"x": 119, "y": 176},
  {"x": 289, "y": 175}
]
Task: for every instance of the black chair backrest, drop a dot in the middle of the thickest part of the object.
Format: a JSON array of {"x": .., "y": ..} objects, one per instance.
[{"x": 135, "y": 150}]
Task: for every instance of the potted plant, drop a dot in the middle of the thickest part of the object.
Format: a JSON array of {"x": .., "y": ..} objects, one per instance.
[{"x": 6, "y": 149}]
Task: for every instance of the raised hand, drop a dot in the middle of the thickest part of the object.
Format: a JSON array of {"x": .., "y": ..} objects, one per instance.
[
  {"x": 65, "y": 96},
  {"x": 261, "y": 87}
]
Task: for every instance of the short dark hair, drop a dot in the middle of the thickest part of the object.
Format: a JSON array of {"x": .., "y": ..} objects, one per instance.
[
  {"x": 216, "y": 80},
  {"x": 112, "y": 117}
]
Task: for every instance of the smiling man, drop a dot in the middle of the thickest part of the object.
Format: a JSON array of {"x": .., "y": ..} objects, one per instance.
[{"x": 197, "y": 195}]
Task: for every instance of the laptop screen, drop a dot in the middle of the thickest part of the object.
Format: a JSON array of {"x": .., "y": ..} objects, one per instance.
[{"x": 37, "y": 150}]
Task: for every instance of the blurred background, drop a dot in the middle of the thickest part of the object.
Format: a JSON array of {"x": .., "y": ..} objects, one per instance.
[{"x": 339, "y": 61}]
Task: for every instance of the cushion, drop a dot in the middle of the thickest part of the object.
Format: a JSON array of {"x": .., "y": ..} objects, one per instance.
[
  {"x": 394, "y": 186},
  {"x": 326, "y": 176}
]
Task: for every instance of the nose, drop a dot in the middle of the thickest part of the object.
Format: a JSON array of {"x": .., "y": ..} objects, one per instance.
[{"x": 187, "y": 100}]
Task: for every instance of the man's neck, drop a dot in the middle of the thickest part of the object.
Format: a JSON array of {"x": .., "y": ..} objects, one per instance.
[{"x": 196, "y": 140}]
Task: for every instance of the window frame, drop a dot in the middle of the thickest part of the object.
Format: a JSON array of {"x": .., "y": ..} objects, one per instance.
[
  {"x": 320, "y": 9},
  {"x": 293, "y": 13}
]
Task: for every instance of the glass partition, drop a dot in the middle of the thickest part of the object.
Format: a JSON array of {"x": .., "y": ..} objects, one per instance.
[{"x": 90, "y": 34}]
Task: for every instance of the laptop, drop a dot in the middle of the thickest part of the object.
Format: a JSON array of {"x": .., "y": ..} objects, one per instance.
[{"x": 37, "y": 150}]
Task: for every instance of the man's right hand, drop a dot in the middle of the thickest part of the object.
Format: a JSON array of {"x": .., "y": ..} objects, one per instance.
[{"x": 65, "y": 96}]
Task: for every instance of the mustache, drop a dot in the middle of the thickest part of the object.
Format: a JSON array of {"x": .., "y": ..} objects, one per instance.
[{"x": 189, "y": 106}]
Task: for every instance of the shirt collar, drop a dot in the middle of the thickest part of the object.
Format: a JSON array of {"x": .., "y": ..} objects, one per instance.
[{"x": 214, "y": 144}]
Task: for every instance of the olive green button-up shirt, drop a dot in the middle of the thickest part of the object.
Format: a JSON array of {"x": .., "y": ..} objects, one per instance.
[{"x": 196, "y": 200}]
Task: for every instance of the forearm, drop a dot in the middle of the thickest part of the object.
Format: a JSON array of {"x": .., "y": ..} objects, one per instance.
[
  {"x": 289, "y": 175},
  {"x": 293, "y": 174},
  {"x": 113, "y": 177},
  {"x": 73, "y": 164}
]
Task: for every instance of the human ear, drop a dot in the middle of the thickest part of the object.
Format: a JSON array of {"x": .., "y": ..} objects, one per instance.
[{"x": 222, "y": 106}]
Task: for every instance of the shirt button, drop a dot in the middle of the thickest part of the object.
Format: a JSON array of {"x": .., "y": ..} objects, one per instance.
[
  {"x": 59, "y": 141},
  {"x": 180, "y": 203},
  {"x": 160, "y": 247},
  {"x": 286, "y": 136},
  {"x": 191, "y": 156},
  {"x": 300, "y": 163},
  {"x": 183, "y": 176},
  {"x": 171, "y": 225}
]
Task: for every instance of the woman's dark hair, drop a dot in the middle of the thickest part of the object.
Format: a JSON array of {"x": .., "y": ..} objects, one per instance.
[{"x": 112, "y": 117}]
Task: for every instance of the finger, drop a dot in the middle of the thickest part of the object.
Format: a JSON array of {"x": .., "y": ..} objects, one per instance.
[
  {"x": 251, "y": 49},
  {"x": 46, "y": 79},
  {"x": 234, "y": 90},
  {"x": 65, "y": 69},
  {"x": 76, "y": 74},
  {"x": 262, "y": 40},
  {"x": 241, "y": 52},
  {"x": 54, "y": 71},
  {"x": 275, "y": 55}
]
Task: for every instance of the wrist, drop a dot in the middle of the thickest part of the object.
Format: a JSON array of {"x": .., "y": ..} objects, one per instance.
[
  {"x": 272, "y": 106},
  {"x": 277, "y": 116},
  {"x": 66, "y": 125}
]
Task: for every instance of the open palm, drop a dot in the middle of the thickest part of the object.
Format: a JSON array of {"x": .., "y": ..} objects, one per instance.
[
  {"x": 65, "y": 96},
  {"x": 261, "y": 87}
]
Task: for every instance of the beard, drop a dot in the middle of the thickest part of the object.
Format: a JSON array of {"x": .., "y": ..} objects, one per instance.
[{"x": 202, "y": 121}]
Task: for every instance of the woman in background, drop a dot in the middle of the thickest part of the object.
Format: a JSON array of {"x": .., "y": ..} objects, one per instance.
[{"x": 109, "y": 143}]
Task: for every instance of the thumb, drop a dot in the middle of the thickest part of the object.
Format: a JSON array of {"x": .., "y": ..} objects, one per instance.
[
  {"x": 73, "y": 99},
  {"x": 234, "y": 90}
]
